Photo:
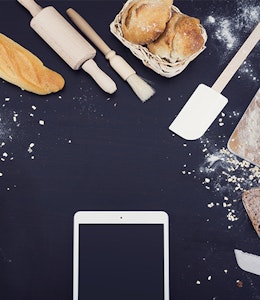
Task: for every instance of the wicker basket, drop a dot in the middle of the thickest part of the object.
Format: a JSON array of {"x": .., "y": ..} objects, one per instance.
[{"x": 164, "y": 67}]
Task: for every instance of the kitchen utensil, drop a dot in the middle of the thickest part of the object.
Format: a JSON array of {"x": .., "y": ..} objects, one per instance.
[
  {"x": 67, "y": 42},
  {"x": 139, "y": 86},
  {"x": 206, "y": 103},
  {"x": 245, "y": 140},
  {"x": 248, "y": 262}
]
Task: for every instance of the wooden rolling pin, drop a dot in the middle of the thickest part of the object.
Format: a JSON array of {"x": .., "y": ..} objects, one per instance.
[
  {"x": 127, "y": 73},
  {"x": 54, "y": 29}
]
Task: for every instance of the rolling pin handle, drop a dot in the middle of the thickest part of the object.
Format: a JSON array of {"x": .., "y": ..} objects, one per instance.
[
  {"x": 31, "y": 6},
  {"x": 101, "y": 78}
]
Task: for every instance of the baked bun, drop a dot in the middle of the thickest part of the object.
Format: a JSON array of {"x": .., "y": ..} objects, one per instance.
[
  {"x": 22, "y": 68},
  {"x": 144, "y": 21},
  {"x": 181, "y": 38}
]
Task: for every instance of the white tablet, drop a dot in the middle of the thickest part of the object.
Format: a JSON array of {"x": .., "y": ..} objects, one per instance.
[{"x": 121, "y": 255}]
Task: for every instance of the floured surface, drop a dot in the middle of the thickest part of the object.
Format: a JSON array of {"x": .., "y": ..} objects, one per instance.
[
  {"x": 245, "y": 140},
  {"x": 84, "y": 149}
]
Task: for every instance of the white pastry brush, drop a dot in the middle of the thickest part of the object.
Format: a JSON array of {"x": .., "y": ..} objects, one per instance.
[{"x": 143, "y": 90}]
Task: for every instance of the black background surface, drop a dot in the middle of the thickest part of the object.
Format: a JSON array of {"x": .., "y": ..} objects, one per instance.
[{"x": 101, "y": 152}]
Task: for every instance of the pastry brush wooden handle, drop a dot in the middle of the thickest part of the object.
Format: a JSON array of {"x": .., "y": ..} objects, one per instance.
[
  {"x": 127, "y": 73},
  {"x": 31, "y": 6},
  {"x": 88, "y": 31},
  {"x": 116, "y": 61},
  {"x": 67, "y": 42}
]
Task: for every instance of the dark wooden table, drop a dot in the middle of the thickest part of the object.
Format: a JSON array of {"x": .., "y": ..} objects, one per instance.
[{"x": 81, "y": 149}]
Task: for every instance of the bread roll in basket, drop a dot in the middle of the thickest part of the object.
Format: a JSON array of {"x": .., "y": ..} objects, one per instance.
[{"x": 165, "y": 67}]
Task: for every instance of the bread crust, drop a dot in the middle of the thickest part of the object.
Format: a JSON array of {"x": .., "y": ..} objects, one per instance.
[
  {"x": 144, "y": 21},
  {"x": 180, "y": 40},
  {"x": 22, "y": 68},
  {"x": 251, "y": 201}
]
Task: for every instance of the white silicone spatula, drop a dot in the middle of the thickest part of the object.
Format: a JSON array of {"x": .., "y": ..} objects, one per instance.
[{"x": 206, "y": 103}]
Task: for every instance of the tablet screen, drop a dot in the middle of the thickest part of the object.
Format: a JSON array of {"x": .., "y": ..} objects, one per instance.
[{"x": 121, "y": 261}]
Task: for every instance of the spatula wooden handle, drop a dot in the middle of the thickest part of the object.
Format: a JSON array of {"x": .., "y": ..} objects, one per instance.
[
  {"x": 31, "y": 6},
  {"x": 237, "y": 60}
]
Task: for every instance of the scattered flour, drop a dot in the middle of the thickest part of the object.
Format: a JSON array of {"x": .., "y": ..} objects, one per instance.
[
  {"x": 226, "y": 30},
  {"x": 225, "y": 175},
  {"x": 11, "y": 121},
  {"x": 228, "y": 176},
  {"x": 225, "y": 34},
  {"x": 228, "y": 173},
  {"x": 11, "y": 131},
  {"x": 247, "y": 69}
]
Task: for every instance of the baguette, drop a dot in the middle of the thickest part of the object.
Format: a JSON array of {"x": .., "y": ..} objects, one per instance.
[
  {"x": 251, "y": 201},
  {"x": 22, "y": 68}
]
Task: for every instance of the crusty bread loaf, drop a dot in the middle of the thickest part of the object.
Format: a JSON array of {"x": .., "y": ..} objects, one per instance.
[
  {"x": 22, "y": 68},
  {"x": 145, "y": 20},
  {"x": 180, "y": 40},
  {"x": 251, "y": 201}
]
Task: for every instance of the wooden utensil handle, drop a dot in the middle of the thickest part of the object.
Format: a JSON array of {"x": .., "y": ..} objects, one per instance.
[
  {"x": 31, "y": 6},
  {"x": 237, "y": 60},
  {"x": 116, "y": 61},
  {"x": 83, "y": 25},
  {"x": 101, "y": 78}
]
